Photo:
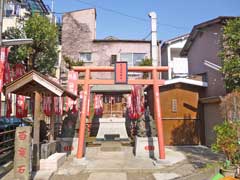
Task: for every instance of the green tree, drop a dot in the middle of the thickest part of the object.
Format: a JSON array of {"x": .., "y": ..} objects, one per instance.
[
  {"x": 42, "y": 54},
  {"x": 146, "y": 62},
  {"x": 71, "y": 62},
  {"x": 231, "y": 54}
]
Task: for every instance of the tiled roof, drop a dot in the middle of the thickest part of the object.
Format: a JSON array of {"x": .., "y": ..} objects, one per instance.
[{"x": 111, "y": 88}]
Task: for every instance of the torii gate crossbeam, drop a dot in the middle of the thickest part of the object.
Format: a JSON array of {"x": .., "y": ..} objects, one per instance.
[{"x": 154, "y": 81}]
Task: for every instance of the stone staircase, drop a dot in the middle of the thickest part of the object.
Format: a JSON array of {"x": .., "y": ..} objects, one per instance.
[
  {"x": 111, "y": 146},
  {"x": 49, "y": 166}
]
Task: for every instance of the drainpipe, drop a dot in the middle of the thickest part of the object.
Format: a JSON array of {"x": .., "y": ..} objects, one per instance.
[{"x": 154, "y": 50}]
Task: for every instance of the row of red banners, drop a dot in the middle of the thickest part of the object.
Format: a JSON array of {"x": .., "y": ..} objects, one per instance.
[
  {"x": 21, "y": 105},
  {"x": 5, "y": 77},
  {"x": 135, "y": 102}
]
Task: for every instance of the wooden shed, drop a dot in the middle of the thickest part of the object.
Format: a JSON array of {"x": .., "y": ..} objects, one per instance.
[{"x": 181, "y": 111}]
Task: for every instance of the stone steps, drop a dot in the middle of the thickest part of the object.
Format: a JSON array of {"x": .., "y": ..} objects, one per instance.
[
  {"x": 53, "y": 162},
  {"x": 111, "y": 146}
]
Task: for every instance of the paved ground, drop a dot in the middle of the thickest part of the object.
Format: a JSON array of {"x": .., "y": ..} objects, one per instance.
[{"x": 181, "y": 163}]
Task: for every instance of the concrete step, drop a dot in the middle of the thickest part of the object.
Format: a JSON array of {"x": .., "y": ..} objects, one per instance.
[
  {"x": 53, "y": 162},
  {"x": 109, "y": 176},
  {"x": 111, "y": 146},
  {"x": 43, "y": 175}
]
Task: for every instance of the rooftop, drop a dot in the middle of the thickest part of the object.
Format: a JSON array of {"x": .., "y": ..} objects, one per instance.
[
  {"x": 111, "y": 88},
  {"x": 196, "y": 29},
  {"x": 186, "y": 81}
]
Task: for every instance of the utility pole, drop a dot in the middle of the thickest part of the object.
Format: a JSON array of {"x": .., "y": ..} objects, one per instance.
[
  {"x": 52, "y": 12},
  {"x": 1, "y": 20},
  {"x": 154, "y": 51}
]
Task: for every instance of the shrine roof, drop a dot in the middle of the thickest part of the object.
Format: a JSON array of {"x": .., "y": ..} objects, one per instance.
[
  {"x": 111, "y": 88},
  {"x": 34, "y": 81}
]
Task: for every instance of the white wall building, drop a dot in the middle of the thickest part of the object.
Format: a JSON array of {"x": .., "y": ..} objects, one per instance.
[
  {"x": 178, "y": 66},
  {"x": 15, "y": 12}
]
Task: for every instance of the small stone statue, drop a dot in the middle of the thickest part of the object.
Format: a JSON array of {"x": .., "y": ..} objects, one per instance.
[
  {"x": 145, "y": 125},
  {"x": 69, "y": 125}
]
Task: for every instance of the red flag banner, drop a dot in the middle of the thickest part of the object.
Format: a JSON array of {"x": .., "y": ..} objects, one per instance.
[
  {"x": 7, "y": 79},
  {"x": 2, "y": 65},
  {"x": 7, "y": 74},
  {"x": 72, "y": 87},
  {"x": 9, "y": 105},
  {"x": 20, "y": 106},
  {"x": 57, "y": 101},
  {"x": 58, "y": 105},
  {"x": 47, "y": 101},
  {"x": 21, "y": 110},
  {"x": 19, "y": 70},
  {"x": 98, "y": 104},
  {"x": 136, "y": 102}
]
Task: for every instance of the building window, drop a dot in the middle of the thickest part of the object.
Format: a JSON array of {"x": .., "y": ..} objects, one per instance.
[
  {"x": 174, "y": 105},
  {"x": 113, "y": 59},
  {"x": 85, "y": 56},
  {"x": 133, "y": 59}
]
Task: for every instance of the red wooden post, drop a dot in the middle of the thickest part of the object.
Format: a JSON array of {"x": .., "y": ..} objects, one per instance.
[
  {"x": 157, "y": 108},
  {"x": 158, "y": 114},
  {"x": 83, "y": 116}
]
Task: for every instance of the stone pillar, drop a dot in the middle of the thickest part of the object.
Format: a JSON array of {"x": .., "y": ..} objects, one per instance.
[
  {"x": 36, "y": 130},
  {"x": 52, "y": 121}
]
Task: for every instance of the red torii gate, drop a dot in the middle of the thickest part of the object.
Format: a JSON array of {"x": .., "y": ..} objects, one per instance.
[{"x": 153, "y": 81}]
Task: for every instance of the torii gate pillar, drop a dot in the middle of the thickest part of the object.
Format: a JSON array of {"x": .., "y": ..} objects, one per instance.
[{"x": 157, "y": 108}]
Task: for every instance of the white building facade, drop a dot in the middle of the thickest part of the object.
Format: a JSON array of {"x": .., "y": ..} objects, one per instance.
[{"x": 178, "y": 66}]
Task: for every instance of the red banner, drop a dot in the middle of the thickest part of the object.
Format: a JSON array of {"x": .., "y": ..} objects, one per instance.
[
  {"x": 98, "y": 104},
  {"x": 7, "y": 74},
  {"x": 5, "y": 77},
  {"x": 47, "y": 102},
  {"x": 57, "y": 101},
  {"x": 58, "y": 105},
  {"x": 9, "y": 105},
  {"x": 19, "y": 70},
  {"x": 3, "y": 58},
  {"x": 72, "y": 87},
  {"x": 21, "y": 108},
  {"x": 136, "y": 102}
]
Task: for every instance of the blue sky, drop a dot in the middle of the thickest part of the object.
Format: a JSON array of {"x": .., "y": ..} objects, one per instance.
[{"x": 128, "y": 19}]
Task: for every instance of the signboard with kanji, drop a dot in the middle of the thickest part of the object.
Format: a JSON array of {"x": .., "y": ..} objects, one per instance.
[
  {"x": 121, "y": 71},
  {"x": 22, "y": 153}
]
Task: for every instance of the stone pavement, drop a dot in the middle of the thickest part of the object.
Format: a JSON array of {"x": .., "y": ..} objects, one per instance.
[{"x": 182, "y": 162}]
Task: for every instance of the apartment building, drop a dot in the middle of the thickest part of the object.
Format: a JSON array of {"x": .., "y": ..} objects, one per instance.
[{"x": 79, "y": 42}]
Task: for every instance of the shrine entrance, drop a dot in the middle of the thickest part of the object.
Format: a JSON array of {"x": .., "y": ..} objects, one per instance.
[
  {"x": 87, "y": 81},
  {"x": 113, "y": 105},
  {"x": 110, "y": 120}
]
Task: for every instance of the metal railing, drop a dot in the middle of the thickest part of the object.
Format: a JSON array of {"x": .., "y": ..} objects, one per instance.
[{"x": 7, "y": 137}]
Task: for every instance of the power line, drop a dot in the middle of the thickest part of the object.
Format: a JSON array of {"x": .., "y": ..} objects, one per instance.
[
  {"x": 126, "y": 15},
  {"x": 147, "y": 35},
  {"x": 172, "y": 26},
  {"x": 114, "y": 11}
]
